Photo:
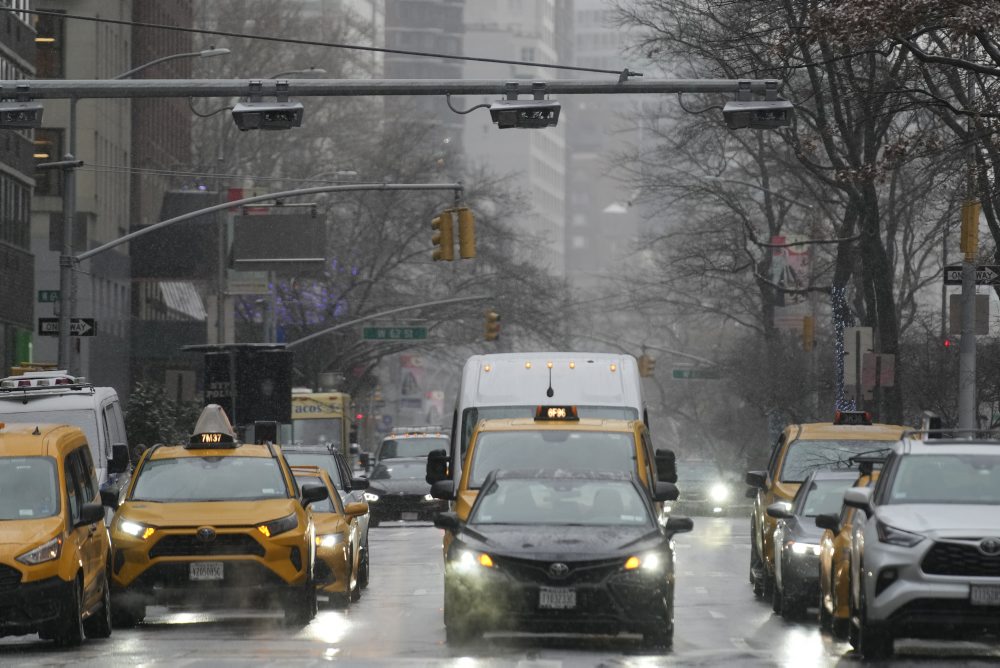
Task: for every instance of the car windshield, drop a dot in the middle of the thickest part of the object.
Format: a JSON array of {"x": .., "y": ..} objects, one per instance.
[
  {"x": 697, "y": 471},
  {"x": 326, "y": 505},
  {"x": 956, "y": 478},
  {"x": 472, "y": 416},
  {"x": 824, "y": 497},
  {"x": 561, "y": 501},
  {"x": 324, "y": 460},
  {"x": 230, "y": 478},
  {"x": 411, "y": 446},
  {"x": 400, "y": 471},
  {"x": 552, "y": 449},
  {"x": 86, "y": 420},
  {"x": 805, "y": 456},
  {"x": 28, "y": 488}
]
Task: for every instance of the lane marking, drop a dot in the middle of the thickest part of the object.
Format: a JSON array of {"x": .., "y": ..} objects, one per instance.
[
  {"x": 701, "y": 590},
  {"x": 740, "y": 643},
  {"x": 419, "y": 592},
  {"x": 716, "y": 614}
]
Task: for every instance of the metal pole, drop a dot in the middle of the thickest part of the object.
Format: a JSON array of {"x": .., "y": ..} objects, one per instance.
[
  {"x": 967, "y": 347},
  {"x": 67, "y": 282}
]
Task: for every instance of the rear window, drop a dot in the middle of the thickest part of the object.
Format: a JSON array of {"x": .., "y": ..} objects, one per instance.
[
  {"x": 324, "y": 461},
  {"x": 412, "y": 446},
  {"x": 805, "y": 456}
]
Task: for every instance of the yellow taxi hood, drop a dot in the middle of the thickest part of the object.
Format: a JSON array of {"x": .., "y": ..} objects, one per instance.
[
  {"x": 207, "y": 513},
  {"x": 17, "y": 537},
  {"x": 329, "y": 523}
]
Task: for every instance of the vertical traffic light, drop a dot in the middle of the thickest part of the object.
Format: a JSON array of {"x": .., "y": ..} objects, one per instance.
[
  {"x": 808, "y": 333},
  {"x": 492, "y": 332},
  {"x": 646, "y": 366},
  {"x": 466, "y": 233},
  {"x": 444, "y": 237}
]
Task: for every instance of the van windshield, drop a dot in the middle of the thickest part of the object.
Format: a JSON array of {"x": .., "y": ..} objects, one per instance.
[
  {"x": 552, "y": 449},
  {"x": 28, "y": 488},
  {"x": 472, "y": 416},
  {"x": 84, "y": 419}
]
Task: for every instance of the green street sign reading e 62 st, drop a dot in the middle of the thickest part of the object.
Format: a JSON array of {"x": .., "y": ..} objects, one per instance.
[
  {"x": 696, "y": 374},
  {"x": 393, "y": 333}
]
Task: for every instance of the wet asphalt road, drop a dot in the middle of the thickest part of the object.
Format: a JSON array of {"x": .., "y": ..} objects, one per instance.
[{"x": 398, "y": 623}]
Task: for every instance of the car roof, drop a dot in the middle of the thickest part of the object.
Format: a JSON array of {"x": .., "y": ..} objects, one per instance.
[
  {"x": 583, "y": 424},
  {"x": 416, "y": 434},
  {"x": 310, "y": 449},
  {"x": 827, "y": 431},
  {"x": 559, "y": 474},
  {"x": 391, "y": 461},
  {"x": 31, "y": 439},
  {"x": 183, "y": 451},
  {"x": 825, "y": 474},
  {"x": 941, "y": 446}
]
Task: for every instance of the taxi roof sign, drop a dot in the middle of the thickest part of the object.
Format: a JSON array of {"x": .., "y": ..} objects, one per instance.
[
  {"x": 852, "y": 417},
  {"x": 557, "y": 414},
  {"x": 213, "y": 429}
]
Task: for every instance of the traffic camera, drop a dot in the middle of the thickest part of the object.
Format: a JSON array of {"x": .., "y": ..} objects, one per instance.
[
  {"x": 492, "y": 331},
  {"x": 646, "y": 366},
  {"x": 16, "y": 115},
  {"x": 267, "y": 115},
  {"x": 525, "y": 113},
  {"x": 466, "y": 233},
  {"x": 444, "y": 237},
  {"x": 769, "y": 113}
]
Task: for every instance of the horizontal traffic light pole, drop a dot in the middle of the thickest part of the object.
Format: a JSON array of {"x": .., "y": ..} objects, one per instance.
[{"x": 262, "y": 86}]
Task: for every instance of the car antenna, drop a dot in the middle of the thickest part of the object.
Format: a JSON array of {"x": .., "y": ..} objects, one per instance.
[{"x": 549, "y": 392}]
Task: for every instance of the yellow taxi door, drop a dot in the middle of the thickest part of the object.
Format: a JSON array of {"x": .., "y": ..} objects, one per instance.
[{"x": 89, "y": 539}]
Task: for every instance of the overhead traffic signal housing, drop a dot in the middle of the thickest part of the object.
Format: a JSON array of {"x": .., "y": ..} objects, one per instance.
[
  {"x": 492, "y": 332},
  {"x": 444, "y": 237},
  {"x": 808, "y": 333},
  {"x": 745, "y": 112},
  {"x": 646, "y": 366},
  {"x": 466, "y": 233}
]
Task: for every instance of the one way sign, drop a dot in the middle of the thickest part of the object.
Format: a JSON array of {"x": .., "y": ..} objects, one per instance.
[
  {"x": 77, "y": 327},
  {"x": 986, "y": 274}
]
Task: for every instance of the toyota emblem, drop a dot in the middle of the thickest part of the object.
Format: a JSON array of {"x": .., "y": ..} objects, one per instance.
[
  {"x": 990, "y": 546},
  {"x": 558, "y": 570},
  {"x": 206, "y": 534}
]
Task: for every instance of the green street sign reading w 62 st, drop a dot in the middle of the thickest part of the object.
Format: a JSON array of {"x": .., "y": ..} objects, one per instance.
[
  {"x": 696, "y": 374},
  {"x": 393, "y": 333}
]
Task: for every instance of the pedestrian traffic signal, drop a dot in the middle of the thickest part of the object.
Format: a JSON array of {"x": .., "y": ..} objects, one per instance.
[
  {"x": 466, "y": 233},
  {"x": 444, "y": 237},
  {"x": 646, "y": 366},
  {"x": 492, "y": 332},
  {"x": 808, "y": 333}
]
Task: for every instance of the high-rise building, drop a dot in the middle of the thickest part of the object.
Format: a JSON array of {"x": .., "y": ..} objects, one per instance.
[{"x": 17, "y": 61}]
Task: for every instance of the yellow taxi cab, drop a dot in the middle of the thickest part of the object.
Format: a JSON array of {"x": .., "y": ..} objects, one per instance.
[
  {"x": 338, "y": 538},
  {"x": 835, "y": 559},
  {"x": 555, "y": 439},
  {"x": 54, "y": 547},
  {"x": 215, "y": 522},
  {"x": 802, "y": 448}
]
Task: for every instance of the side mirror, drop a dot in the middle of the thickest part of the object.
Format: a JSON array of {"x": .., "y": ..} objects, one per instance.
[
  {"x": 756, "y": 479},
  {"x": 678, "y": 524},
  {"x": 109, "y": 498},
  {"x": 829, "y": 521},
  {"x": 91, "y": 513},
  {"x": 313, "y": 493},
  {"x": 860, "y": 498},
  {"x": 354, "y": 449},
  {"x": 119, "y": 461},
  {"x": 750, "y": 493},
  {"x": 666, "y": 465},
  {"x": 447, "y": 521},
  {"x": 356, "y": 508},
  {"x": 665, "y": 491},
  {"x": 359, "y": 484},
  {"x": 779, "y": 510},
  {"x": 437, "y": 466},
  {"x": 366, "y": 460},
  {"x": 444, "y": 490}
]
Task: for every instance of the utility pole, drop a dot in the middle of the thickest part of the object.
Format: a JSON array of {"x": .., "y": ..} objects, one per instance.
[{"x": 967, "y": 410}]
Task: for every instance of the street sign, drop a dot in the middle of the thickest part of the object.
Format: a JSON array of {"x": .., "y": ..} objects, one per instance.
[
  {"x": 696, "y": 374},
  {"x": 857, "y": 342},
  {"x": 986, "y": 274},
  {"x": 393, "y": 333},
  {"x": 48, "y": 296},
  {"x": 77, "y": 327}
]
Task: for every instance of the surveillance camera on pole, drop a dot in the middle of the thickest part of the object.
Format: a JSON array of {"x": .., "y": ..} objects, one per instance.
[
  {"x": 20, "y": 112},
  {"x": 767, "y": 114},
  {"x": 535, "y": 113},
  {"x": 258, "y": 115}
]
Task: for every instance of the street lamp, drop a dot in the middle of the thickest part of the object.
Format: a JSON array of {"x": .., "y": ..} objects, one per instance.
[
  {"x": 311, "y": 70},
  {"x": 206, "y": 53}
]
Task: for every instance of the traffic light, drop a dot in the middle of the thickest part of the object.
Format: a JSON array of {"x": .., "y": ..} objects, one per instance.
[
  {"x": 492, "y": 332},
  {"x": 646, "y": 366},
  {"x": 808, "y": 333},
  {"x": 444, "y": 237},
  {"x": 970, "y": 229},
  {"x": 466, "y": 233}
]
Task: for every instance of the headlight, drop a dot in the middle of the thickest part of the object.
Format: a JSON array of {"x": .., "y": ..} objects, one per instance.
[
  {"x": 466, "y": 561},
  {"x": 371, "y": 498},
  {"x": 647, "y": 562},
  {"x": 719, "y": 492},
  {"x": 279, "y": 526},
  {"x": 428, "y": 497},
  {"x": 805, "y": 548},
  {"x": 43, "y": 553},
  {"x": 136, "y": 529},
  {"x": 329, "y": 540},
  {"x": 894, "y": 536}
]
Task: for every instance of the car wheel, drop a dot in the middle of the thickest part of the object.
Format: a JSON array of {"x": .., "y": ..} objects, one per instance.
[
  {"x": 793, "y": 608},
  {"x": 660, "y": 638},
  {"x": 69, "y": 631},
  {"x": 756, "y": 565},
  {"x": 300, "y": 606},
  {"x": 776, "y": 598},
  {"x": 125, "y": 616},
  {"x": 355, "y": 590},
  {"x": 373, "y": 522},
  {"x": 363, "y": 575},
  {"x": 874, "y": 640},
  {"x": 98, "y": 625},
  {"x": 825, "y": 618}
]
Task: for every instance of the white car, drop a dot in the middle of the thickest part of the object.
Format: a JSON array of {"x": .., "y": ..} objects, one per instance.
[{"x": 925, "y": 562}]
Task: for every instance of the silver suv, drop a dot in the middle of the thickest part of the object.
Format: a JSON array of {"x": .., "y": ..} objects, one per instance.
[{"x": 925, "y": 561}]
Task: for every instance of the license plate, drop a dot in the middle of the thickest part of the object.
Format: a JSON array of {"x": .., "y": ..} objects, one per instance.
[
  {"x": 984, "y": 594},
  {"x": 556, "y": 599},
  {"x": 205, "y": 570},
  {"x": 410, "y": 516}
]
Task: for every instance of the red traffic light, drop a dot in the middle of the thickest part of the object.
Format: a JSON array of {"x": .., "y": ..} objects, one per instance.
[
  {"x": 359, "y": 416},
  {"x": 947, "y": 343}
]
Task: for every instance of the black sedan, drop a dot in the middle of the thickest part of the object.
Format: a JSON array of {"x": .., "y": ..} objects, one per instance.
[
  {"x": 562, "y": 552},
  {"x": 796, "y": 566},
  {"x": 397, "y": 490}
]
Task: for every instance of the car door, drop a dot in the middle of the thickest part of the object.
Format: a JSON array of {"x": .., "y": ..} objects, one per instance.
[
  {"x": 352, "y": 496},
  {"x": 81, "y": 488}
]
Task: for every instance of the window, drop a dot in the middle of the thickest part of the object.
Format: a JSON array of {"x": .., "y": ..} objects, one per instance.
[
  {"x": 48, "y": 148},
  {"x": 50, "y": 47},
  {"x": 88, "y": 476},
  {"x": 73, "y": 492}
]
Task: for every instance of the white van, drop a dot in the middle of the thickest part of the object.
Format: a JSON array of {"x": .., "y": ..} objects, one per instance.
[
  {"x": 55, "y": 397},
  {"x": 509, "y": 385}
]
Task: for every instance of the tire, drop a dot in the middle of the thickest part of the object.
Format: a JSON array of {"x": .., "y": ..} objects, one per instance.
[
  {"x": 839, "y": 628},
  {"x": 98, "y": 625},
  {"x": 793, "y": 608},
  {"x": 126, "y": 616},
  {"x": 825, "y": 618},
  {"x": 661, "y": 638},
  {"x": 300, "y": 608},
  {"x": 461, "y": 632},
  {"x": 69, "y": 629},
  {"x": 756, "y": 565},
  {"x": 776, "y": 598},
  {"x": 874, "y": 641},
  {"x": 373, "y": 522},
  {"x": 363, "y": 574}
]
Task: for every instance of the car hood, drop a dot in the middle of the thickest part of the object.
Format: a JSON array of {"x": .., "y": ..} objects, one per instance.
[
  {"x": 402, "y": 486},
  {"x": 329, "y": 523},
  {"x": 548, "y": 542},
  {"x": 17, "y": 537},
  {"x": 207, "y": 513},
  {"x": 944, "y": 520},
  {"x": 801, "y": 532}
]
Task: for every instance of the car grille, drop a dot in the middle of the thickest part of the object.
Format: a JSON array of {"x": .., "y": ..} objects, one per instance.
[
  {"x": 958, "y": 559},
  {"x": 589, "y": 572},
  {"x": 10, "y": 578},
  {"x": 189, "y": 545},
  {"x": 400, "y": 501}
]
